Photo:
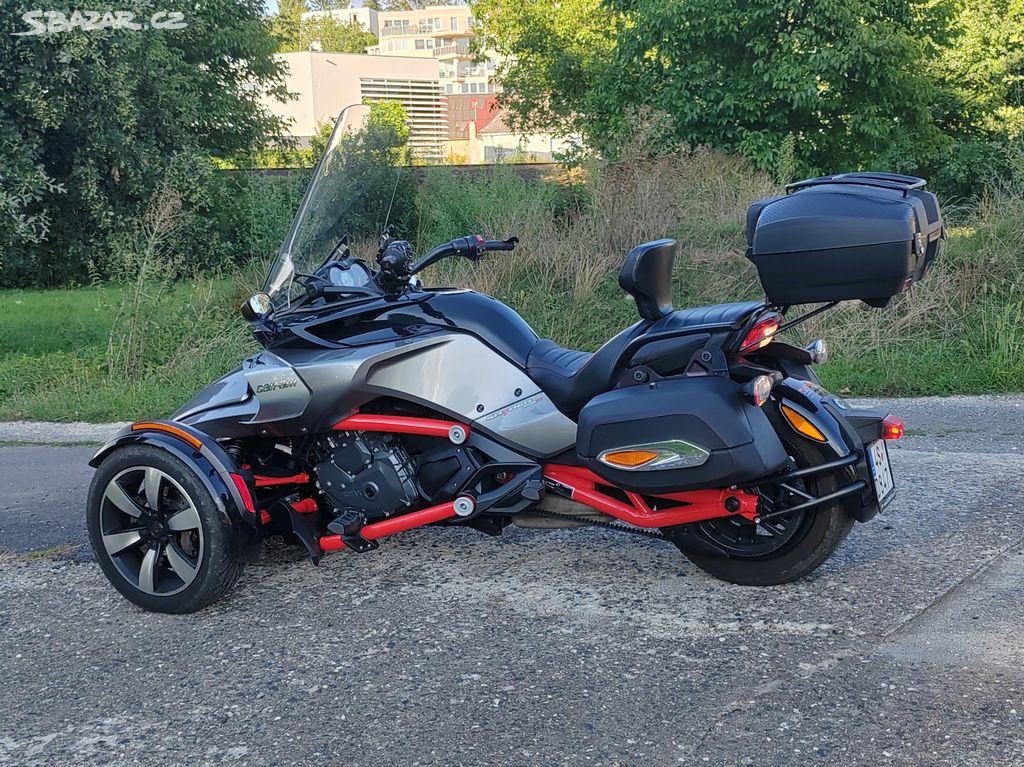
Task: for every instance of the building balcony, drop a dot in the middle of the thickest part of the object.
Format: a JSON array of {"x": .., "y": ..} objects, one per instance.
[{"x": 461, "y": 48}]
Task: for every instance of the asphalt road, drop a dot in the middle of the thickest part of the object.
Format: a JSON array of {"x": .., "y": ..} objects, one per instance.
[{"x": 541, "y": 647}]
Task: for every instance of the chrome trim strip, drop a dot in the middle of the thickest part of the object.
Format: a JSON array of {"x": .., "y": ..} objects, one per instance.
[{"x": 672, "y": 454}]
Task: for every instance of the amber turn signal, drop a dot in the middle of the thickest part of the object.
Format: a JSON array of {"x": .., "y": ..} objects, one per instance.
[
  {"x": 629, "y": 458},
  {"x": 167, "y": 428},
  {"x": 802, "y": 425}
]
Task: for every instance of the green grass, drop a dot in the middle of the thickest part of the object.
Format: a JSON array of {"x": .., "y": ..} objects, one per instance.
[
  {"x": 141, "y": 350},
  {"x": 37, "y": 322},
  {"x": 53, "y": 352}
]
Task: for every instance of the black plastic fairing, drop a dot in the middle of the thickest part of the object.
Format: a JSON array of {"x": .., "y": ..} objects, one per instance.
[
  {"x": 830, "y": 415},
  {"x": 415, "y": 313}
]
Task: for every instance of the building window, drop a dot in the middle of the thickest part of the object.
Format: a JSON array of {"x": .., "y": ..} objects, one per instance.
[
  {"x": 420, "y": 45},
  {"x": 430, "y": 42},
  {"x": 455, "y": 23}
]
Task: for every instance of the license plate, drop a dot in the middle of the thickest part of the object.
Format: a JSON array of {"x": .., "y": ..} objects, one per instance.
[{"x": 881, "y": 472}]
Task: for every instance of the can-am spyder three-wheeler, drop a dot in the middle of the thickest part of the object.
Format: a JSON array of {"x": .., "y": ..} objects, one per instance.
[{"x": 380, "y": 404}]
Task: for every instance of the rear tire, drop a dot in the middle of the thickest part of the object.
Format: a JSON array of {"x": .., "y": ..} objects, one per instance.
[
  {"x": 811, "y": 540},
  {"x": 157, "y": 534}
]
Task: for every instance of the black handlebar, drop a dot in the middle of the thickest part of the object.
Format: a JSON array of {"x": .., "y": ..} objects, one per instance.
[{"x": 472, "y": 247}]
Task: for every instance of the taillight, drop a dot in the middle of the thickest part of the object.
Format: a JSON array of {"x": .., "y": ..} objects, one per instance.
[
  {"x": 761, "y": 334},
  {"x": 892, "y": 427}
]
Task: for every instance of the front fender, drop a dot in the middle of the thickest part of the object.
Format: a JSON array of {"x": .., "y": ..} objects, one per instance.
[
  {"x": 204, "y": 456},
  {"x": 836, "y": 421}
]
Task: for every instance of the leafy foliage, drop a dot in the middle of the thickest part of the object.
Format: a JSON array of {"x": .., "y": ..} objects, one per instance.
[
  {"x": 981, "y": 81},
  {"x": 91, "y": 122},
  {"x": 321, "y": 31},
  {"x": 914, "y": 85}
]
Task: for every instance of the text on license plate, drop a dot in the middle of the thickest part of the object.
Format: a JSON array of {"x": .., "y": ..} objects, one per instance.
[{"x": 881, "y": 472}]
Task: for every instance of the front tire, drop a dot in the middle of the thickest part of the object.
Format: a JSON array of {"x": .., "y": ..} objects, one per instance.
[
  {"x": 783, "y": 550},
  {"x": 157, "y": 533}
]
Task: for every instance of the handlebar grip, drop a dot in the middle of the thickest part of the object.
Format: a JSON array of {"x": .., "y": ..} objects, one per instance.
[{"x": 509, "y": 244}]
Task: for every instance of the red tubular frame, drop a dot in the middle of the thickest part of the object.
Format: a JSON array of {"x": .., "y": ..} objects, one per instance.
[
  {"x": 398, "y": 424},
  {"x": 394, "y": 525},
  {"x": 295, "y": 479},
  {"x": 702, "y": 504},
  {"x": 583, "y": 486}
]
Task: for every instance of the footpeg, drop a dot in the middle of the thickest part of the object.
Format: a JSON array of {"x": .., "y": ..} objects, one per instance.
[
  {"x": 533, "y": 490},
  {"x": 347, "y": 525}
]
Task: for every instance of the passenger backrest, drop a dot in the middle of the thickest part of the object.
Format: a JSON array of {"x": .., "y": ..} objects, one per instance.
[{"x": 647, "y": 276}]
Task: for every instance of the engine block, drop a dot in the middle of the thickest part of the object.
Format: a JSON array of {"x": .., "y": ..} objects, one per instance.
[{"x": 369, "y": 473}]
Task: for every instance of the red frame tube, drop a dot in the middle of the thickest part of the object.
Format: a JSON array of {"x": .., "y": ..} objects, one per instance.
[
  {"x": 294, "y": 479},
  {"x": 702, "y": 504},
  {"x": 394, "y": 525},
  {"x": 301, "y": 506},
  {"x": 398, "y": 424}
]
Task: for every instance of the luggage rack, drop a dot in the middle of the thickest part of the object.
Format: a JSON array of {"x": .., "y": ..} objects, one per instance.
[{"x": 895, "y": 181}]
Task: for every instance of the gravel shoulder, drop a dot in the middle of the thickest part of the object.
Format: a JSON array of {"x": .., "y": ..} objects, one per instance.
[{"x": 540, "y": 647}]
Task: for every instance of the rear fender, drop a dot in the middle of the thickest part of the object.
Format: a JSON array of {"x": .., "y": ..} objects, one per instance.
[
  {"x": 846, "y": 430},
  {"x": 207, "y": 459}
]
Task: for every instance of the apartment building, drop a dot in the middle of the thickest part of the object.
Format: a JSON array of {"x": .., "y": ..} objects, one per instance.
[
  {"x": 367, "y": 18},
  {"x": 325, "y": 83},
  {"x": 442, "y": 32},
  {"x": 438, "y": 32}
]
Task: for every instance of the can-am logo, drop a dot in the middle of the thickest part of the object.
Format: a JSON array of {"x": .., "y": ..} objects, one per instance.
[{"x": 286, "y": 383}]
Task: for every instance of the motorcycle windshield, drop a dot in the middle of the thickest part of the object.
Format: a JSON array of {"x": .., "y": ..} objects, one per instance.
[{"x": 349, "y": 195}]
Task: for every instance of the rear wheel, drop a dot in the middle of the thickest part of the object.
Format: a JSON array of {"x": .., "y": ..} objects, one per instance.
[
  {"x": 157, "y": 533},
  {"x": 775, "y": 551}
]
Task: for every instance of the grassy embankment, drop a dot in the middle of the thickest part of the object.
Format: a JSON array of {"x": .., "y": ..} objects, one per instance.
[{"x": 140, "y": 348}]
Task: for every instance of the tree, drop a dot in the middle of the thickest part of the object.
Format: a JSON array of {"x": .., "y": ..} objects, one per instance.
[
  {"x": 847, "y": 79},
  {"x": 326, "y": 33},
  {"x": 328, "y": 5},
  {"x": 406, "y": 5},
  {"x": 981, "y": 70},
  {"x": 286, "y": 24},
  {"x": 322, "y": 31},
  {"x": 92, "y": 122},
  {"x": 980, "y": 73}
]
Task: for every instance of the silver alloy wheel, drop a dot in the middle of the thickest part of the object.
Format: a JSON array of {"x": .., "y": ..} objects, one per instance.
[{"x": 151, "y": 530}]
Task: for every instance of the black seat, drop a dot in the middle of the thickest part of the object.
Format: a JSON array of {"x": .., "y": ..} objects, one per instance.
[{"x": 572, "y": 378}]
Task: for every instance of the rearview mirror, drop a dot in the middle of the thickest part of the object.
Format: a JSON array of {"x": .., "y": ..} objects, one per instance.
[{"x": 256, "y": 307}]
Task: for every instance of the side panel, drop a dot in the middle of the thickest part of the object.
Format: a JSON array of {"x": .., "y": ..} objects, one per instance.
[
  {"x": 466, "y": 378},
  {"x": 301, "y": 391},
  {"x": 494, "y": 323}
]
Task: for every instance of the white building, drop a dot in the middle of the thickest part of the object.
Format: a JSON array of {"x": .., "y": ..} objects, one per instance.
[{"x": 326, "y": 83}]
